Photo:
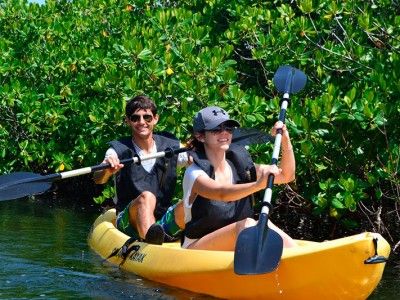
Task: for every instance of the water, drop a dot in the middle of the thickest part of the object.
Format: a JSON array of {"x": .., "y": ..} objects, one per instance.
[{"x": 44, "y": 255}]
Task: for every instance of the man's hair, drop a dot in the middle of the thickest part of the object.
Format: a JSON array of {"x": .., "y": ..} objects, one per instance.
[{"x": 140, "y": 102}]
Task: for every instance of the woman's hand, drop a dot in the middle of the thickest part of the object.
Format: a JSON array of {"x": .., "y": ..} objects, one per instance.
[
  {"x": 280, "y": 124},
  {"x": 287, "y": 163},
  {"x": 263, "y": 173}
]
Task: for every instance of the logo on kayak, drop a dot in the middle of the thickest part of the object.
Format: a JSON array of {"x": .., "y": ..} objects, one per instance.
[
  {"x": 137, "y": 256},
  {"x": 128, "y": 251}
]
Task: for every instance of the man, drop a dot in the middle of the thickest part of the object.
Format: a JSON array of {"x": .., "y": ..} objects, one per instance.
[{"x": 144, "y": 191}]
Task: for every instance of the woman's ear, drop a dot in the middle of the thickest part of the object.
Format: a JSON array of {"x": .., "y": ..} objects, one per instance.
[{"x": 200, "y": 136}]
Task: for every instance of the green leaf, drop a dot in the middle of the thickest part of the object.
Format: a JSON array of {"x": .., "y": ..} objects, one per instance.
[
  {"x": 347, "y": 184},
  {"x": 323, "y": 185},
  {"x": 349, "y": 202},
  {"x": 92, "y": 118},
  {"x": 306, "y": 6},
  {"x": 145, "y": 54},
  {"x": 250, "y": 118},
  {"x": 378, "y": 193},
  {"x": 336, "y": 203},
  {"x": 320, "y": 167}
]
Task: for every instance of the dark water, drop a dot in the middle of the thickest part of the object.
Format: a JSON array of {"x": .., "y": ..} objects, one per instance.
[{"x": 44, "y": 255}]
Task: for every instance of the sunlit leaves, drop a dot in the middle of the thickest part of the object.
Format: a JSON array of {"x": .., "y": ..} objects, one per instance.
[
  {"x": 144, "y": 54},
  {"x": 306, "y": 6}
]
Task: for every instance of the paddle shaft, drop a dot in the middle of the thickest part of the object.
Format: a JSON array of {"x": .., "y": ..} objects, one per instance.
[
  {"x": 103, "y": 166},
  {"x": 288, "y": 80},
  {"x": 135, "y": 159},
  {"x": 275, "y": 154}
]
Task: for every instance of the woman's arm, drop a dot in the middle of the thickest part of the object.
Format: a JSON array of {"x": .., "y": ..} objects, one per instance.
[
  {"x": 211, "y": 189},
  {"x": 288, "y": 163}
]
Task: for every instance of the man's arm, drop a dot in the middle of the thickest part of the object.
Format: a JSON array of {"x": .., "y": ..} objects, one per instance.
[{"x": 111, "y": 157}]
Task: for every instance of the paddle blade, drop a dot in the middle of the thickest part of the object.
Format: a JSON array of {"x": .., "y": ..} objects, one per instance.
[
  {"x": 21, "y": 184},
  {"x": 250, "y": 136},
  {"x": 258, "y": 250},
  {"x": 289, "y": 80}
]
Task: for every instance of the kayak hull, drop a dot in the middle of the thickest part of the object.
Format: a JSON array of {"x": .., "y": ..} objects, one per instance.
[{"x": 330, "y": 270}]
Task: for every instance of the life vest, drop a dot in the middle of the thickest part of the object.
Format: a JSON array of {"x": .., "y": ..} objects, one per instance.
[
  {"x": 133, "y": 179},
  {"x": 210, "y": 215}
]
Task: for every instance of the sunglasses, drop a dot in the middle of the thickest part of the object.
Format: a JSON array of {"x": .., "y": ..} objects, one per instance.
[
  {"x": 135, "y": 118},
  {"x": 221, "y": 128}
]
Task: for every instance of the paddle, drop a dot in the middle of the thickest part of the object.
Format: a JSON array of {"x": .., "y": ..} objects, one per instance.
[
  {"x": 21, "y": 184},
  {"x": 250, "y": 136},
  {"x": 259, "y": 249}
]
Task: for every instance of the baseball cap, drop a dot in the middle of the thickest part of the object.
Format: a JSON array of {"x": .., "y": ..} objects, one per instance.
[{"x": 210, "y": 117}]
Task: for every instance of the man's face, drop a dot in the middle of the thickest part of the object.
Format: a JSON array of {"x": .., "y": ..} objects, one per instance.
[{"x": 142, "y": 122}]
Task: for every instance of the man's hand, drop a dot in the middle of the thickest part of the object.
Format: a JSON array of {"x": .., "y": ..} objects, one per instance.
[{"x": 115, "y": 164}]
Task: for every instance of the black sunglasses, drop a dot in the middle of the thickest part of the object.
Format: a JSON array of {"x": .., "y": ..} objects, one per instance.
[
  {"x": 135, "y": 118},
  {"x": 221, "y": 128}
]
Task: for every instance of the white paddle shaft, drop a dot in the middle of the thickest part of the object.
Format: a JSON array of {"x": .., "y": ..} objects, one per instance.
[{"x": 275, "y": 155}]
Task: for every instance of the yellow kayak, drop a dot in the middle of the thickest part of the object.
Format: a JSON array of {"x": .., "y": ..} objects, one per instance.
[{"x": 333, "y": 269}]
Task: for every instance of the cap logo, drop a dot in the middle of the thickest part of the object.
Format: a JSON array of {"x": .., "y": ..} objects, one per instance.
[{"x": 216, "y": 112}]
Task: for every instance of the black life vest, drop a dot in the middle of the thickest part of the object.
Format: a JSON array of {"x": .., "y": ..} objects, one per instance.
[
  {"x": 133, "y": 179},
  {"x": 210, "y": 215}
]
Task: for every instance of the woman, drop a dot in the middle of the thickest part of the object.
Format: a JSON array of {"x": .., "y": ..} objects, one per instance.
[{"x": 219, "y": 184}]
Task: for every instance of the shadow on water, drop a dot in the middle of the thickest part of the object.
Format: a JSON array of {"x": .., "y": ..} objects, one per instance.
[{"x": 44, "y": 254}]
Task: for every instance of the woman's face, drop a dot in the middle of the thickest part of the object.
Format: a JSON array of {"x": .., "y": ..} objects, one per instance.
[{"x": 218, "y": 138}]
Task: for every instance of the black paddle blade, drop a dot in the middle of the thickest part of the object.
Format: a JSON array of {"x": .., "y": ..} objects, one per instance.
[
  {"x": 21, "y": 184},
  {"x": 289, "y": 80},
  {"x": 258, "y": 249},
  {"x": 250, "y": 136}
]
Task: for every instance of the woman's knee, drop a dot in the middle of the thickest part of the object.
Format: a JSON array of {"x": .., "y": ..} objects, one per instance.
[
  {"x": 179, "y": 214},
  {"x": 249, "y": 222},
  {"x": 245, "y": 223}
]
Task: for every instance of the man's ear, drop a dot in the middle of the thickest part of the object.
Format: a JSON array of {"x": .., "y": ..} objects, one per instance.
[{"x": 156, "y": 119}]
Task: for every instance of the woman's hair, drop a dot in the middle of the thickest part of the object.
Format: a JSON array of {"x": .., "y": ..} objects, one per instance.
[
  {"x": 140, "y": 102},
  {"x": 194, "y": 144}
]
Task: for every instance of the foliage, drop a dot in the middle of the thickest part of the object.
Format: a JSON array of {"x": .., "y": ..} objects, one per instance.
[{"x": 67, "y": 67}]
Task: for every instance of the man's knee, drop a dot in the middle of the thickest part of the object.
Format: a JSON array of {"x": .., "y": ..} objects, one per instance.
[
  {"x": 145, "y": 199},
  {"x": 145, "y": 203}
]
